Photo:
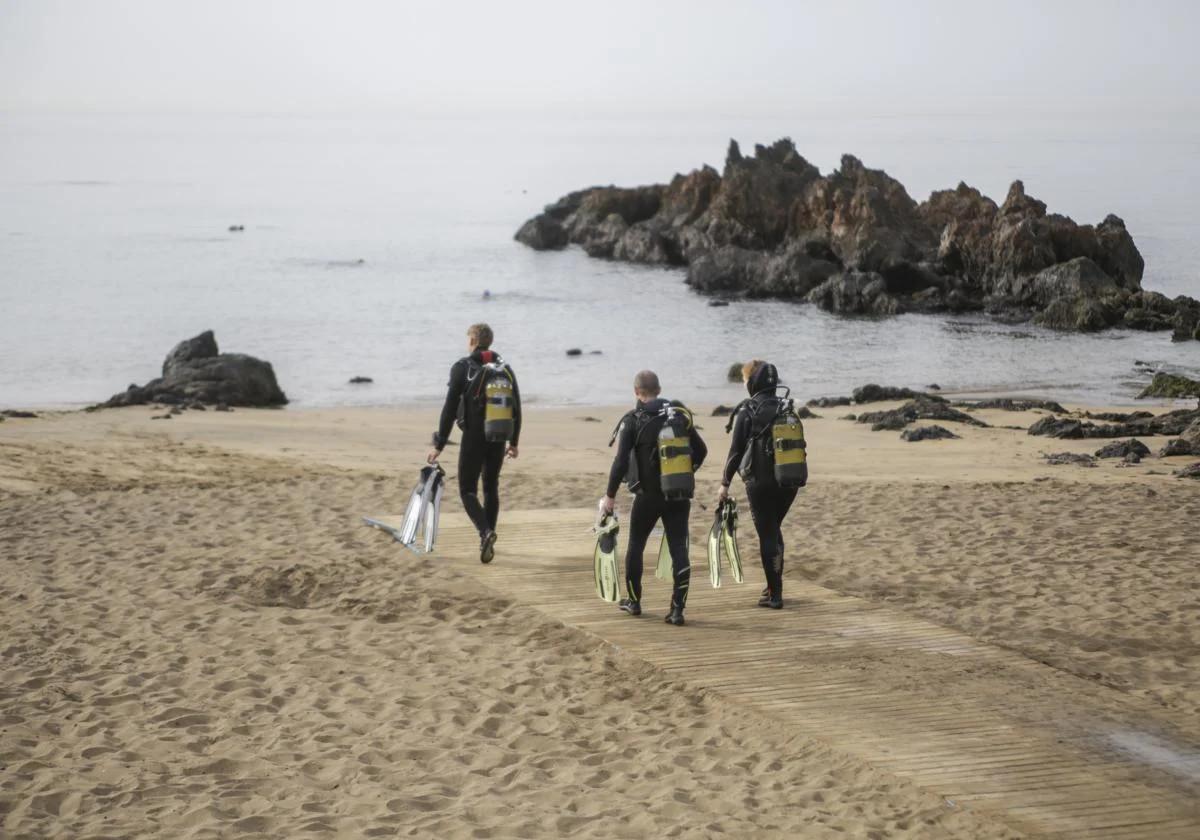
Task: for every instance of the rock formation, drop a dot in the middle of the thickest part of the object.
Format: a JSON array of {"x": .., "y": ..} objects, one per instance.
[
  {"x": 854, "y": 242},
  {"x": 196, "y": 372}
]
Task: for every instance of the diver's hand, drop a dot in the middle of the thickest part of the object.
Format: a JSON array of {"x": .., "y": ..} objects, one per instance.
[
  {"x": 511, "y": 452},
  {"x": 607, "y": 504},
  {"x": 432, "y": 457},
  {"x": 722, "y": 495}
]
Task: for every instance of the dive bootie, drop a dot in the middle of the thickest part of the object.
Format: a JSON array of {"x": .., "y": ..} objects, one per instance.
[
  {"x": 487, "y": 547},
  {"x": 770, "y": 602},
  {"x": 675, "y": 616},
  {"x": 630, "y": 606}
]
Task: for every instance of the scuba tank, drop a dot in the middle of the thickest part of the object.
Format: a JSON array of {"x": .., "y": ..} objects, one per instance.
[
  {"x": 788, "y": 447},
  {"x": 498, "y": 403},
  {"x": 675, "y": 453}
]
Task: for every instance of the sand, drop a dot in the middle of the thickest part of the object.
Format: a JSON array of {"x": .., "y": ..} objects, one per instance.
[{"x": 199, "y": 639}]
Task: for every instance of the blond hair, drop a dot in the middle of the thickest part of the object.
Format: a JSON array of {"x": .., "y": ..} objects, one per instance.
[
  {"x": 481, "y": 335},
  {"x": 750, "y": 368},
  {"x": 646, "y": 382}
]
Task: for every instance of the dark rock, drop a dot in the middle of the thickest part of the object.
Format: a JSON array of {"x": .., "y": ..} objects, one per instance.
[
  {"x": 195, "y": 372},
  {"x": 16, "y": 414},
  {"x": 1121, "y": 448},
  {"x": 361, "y": 380},
  {"x": 924, "y": 407},
  {"x": 804, "y": 413},
  {"x": 1186, "y": 320},
  {"x": 236, "y": 228},
  {"x": 886, "y": 393},
  {"x": 1171, "y": 386},
  {"x": 934, "y": 387},
  {"x": 734, "y": 374},
  {"x": 203, "y": 346},
  {"x": 927, "y": 433},
  {"x": 1063, "y": 458},
  {"x": 722, "y": 411},
  {"x": 222, "y": 407},
  {"x": 826, "y": 402},
  {"x": 1118, "y": 416},
  {"x": 574, "y": 351},
  {"x": 849, "y": 417},
  {"x": 1006, "y": 404},
  {"x": 590, "y": 419},
  {"x": 161, "y": 417},
  {"x": 543, "y": 233},
  {"x": 717, "y": 302},
  {"x": 1190, "y": 471},
  {"x": 1171, "y": 423},
  {"x": 1176, "y": 447},
  {"x": 854, "y": 242}
]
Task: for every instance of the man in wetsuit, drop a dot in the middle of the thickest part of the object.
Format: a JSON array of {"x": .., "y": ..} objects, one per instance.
[
  {"x": 637, "y": 435},
  {"x": 477, "y": 456}
]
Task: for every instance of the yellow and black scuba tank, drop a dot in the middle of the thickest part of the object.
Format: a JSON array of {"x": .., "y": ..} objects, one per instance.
[
  {"x": 499, "y": 400},
  {"x": 669, "y": 451},
  {"x": 788, "y": 447},
  {"x": 674, "y": 449}
]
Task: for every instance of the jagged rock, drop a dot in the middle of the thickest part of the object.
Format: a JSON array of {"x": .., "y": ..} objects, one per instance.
[
  {"x": 1122, "y": 448},
  {"x": 543, "y": 233},
  {"x": 1118, "y": 416},
  {"x": 1006, "y": 404},
  {"x": 855, "y": 293},
  {"x": 928, "y": 433},
  {"x": 923, "y": 407},
  {"x": 1186, "y": 320},
  {"x": 855, "y": 242},
  {"x": 1064, "y": 458},
  {"x": 1190, "y": 471},
  {"x": 1191, "y": 435},
  {"x": 203, "y": 346},
  {"x": 1171, "y": 386},
  {"x": 194, "y": 371},
  {"x": 885, "y": 393},
  {"x": 1171, "y": 423},
  {"x": 1178, "y": 446},
  {"x": 829, "y": 402}
]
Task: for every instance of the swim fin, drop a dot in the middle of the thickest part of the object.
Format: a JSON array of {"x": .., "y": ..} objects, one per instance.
[
  {"x": 662, "y": 571},
  {"x": 714, "y": 551},
  {"x": 729, "y": 518},
  {"x": 415, "y": 509},
  {"x": 604, "y": 559},
  {"x": 433, "y": 506}
]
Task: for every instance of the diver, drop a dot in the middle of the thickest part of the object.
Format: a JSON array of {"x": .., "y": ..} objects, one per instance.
[
  {"x": 658, "y": 452},
  {"x": 768, "y": 450},
  {"x": 485, "y": 402}
]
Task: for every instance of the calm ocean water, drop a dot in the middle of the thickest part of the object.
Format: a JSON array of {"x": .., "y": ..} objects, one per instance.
[{"x": 369, "y": 244}]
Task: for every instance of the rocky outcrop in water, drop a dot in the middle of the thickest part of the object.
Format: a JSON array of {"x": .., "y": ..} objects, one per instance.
[
  {"x": 1172, "y": 386},
  {"x": 195, "y": 371},
  {"x": 854, "y": 242}
]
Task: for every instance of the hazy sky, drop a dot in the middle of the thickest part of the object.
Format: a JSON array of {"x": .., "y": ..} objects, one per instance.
[{"x": 303, "y": 55}]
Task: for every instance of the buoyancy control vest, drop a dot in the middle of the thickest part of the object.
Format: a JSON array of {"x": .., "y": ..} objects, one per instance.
[
  {"x": 776, "y": 448},
  {"x": 490, "y": 393},
  {"x": 662, "y": 448}
]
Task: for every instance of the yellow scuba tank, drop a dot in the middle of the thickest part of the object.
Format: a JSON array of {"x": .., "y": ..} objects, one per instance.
[
  {"x": 498, "y": 403},
  {"x": 675, "y": 453},
  {"x": 788, "y": 447}
]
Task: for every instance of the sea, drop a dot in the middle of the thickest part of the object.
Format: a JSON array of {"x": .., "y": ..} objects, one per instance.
[{"x": 371, "y": 242}]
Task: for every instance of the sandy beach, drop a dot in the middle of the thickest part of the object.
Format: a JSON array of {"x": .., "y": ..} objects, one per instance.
[{"x": 200, "y": 639}]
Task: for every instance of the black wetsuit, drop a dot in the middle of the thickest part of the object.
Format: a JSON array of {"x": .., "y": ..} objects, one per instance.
[
  {"x": 476, "y": 456},
  {"x": 649, "y": 504},
  {"x": 769, "y": 503}
]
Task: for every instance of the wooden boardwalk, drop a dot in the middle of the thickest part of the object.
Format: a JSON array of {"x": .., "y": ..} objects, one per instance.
[{"x": 925, "y": 702}]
